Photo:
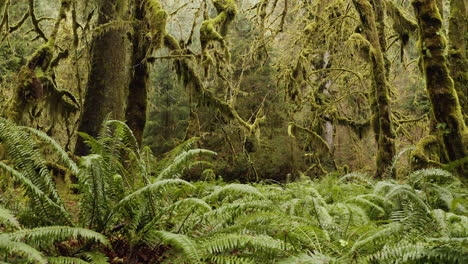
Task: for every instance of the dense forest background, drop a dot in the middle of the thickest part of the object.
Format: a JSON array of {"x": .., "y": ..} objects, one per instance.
[{"x": 290, "y": 92}]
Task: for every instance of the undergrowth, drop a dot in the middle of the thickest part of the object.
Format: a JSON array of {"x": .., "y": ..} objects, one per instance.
[{"x": 135, "y": 208}]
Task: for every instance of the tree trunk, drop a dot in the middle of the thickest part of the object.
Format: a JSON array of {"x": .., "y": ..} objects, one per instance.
[
  {"x": 439, "y": 85},
  {"x": 373, "y": 27},
  {"x": 137, "y": 100},
  {"x": 108, "y": 80},
  {"x": 458, "y": 64}
]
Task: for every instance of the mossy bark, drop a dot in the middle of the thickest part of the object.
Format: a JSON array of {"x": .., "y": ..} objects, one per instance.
[
  {"x": 109, "y": 76},
  {"x": 446, "y": 107},
  {"x": 137, "y": 100},
  {"x": 458, "y": 63},
  {"x": 385, "y": 134},
  {"x": 34, "y": 78}
]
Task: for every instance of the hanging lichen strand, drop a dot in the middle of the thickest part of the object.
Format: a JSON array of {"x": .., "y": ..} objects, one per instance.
[
  {"x": 439, "y": 85},
  {"x": 382, "y": 123}
]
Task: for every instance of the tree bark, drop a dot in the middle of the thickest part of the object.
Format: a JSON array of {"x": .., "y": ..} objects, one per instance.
[
  {"x": 373, "y": 27},
  {"x": 458, "y": 64},
  {"x": 138, "y": 89},
  {"x": 446, "y": 107},
  {"x": 108, "y": 80}
]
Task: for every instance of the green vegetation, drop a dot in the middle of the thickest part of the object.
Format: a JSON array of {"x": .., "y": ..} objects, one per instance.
[
  {"x": 135, "y": 209},
  {"x": 233, "y": 131}
]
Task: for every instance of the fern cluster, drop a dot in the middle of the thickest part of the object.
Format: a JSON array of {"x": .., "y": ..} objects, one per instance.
[{"x": 135, "y": 208}]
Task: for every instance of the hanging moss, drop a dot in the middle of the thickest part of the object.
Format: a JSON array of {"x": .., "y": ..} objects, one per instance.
[
  {"x": 156, "y": 18},
  {"x": 227, "y": 11},
  {"x": 439, "y": 85},
  {"x": 402, "y": 24}
]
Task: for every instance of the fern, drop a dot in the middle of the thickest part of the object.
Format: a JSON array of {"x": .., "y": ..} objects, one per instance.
[
  {"x": 31, "y": 170},
  {"x": 8, "y": 219},
  {"x": 305, "y": 258},
  {"x": 65, "y": 260},
  {"x": 64, "y": 157},
  {"x": 21, "y": 249},
  {"x": 42, "y": 202},
  {"x": 234, "y": 190},
  {"x": 421, "y": 177},
  {"x": 260, "y": 244},
  {"x": 181, "y": 161},
  {"x": 42, "y": 236},
  {"x": 182, "y": 243}
]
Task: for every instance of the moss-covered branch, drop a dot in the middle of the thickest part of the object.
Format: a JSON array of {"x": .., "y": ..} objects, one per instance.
[
  {"x": 215, "y": 29},
  {"x": 36, "y": 78},
  {"x": 185, "y": 71}
]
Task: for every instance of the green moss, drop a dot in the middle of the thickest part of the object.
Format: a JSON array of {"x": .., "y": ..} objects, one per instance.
[
  {"x": 208, "y": 31},
  {"x": 426, "y": 153},
  {"x": 373, "y": 29},
  {"x": 439, "y": 84},
  {"x": 156, "y": 18}
]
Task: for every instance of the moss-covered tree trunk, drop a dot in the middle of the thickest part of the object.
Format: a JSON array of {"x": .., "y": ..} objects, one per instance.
[
  {"x": 446, "y": 107},
  {"x": 458, "y": 64},
  {"x": 109, "y": 76},
  {"x": 372, "y": 24},
  {"x": 137, "y": 100}
]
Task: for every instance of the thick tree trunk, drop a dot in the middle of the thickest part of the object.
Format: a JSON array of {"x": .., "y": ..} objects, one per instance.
[
  {"x": 108, "y": 80},
  {"x": 458, "y": 64},
  {"x": 137, "y": 100},
  {"x": 439, "y": 85},
  {"x": 374, "y": 31}
]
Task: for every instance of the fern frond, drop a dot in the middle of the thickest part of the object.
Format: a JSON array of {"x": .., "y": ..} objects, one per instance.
[
  {"x": 230, "y": 260},
  {"x": 37, "y": 195},
  {"x": 234, "y": 190},
  {"x": 258, "y": 244},
  {"x": 433, "y": 175},
  {"x": 379, "y": 238},
  {"x": 192, "y": 203},
  {"x": 229, "y": 212},
  {"x": 374, "y": 211},
  {"x": 94, "y": 257},
  {"x": 183, "y": 243},
  {"x": 66, "y": 260},
  {"x": 404, "y": 192},
  {"x": 357, "y": 177},
  {"x": 20, "y": 249},
  {"x": 30, "y": 169},
  {"x": 158, "y": 186},
  {"x": 124, "y": 134},
  {"x": 64, "y": 157},
  {"x": 181, "y": 161},
  {"x": 171, "y": 155},
  {"x": 8, "y": 219},
  {"x": 307, "y": 259},
  {"x": 42, "y": 236}
]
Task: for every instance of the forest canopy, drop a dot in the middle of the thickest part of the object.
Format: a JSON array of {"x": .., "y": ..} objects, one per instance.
[{"x": 233, "y": 131}]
